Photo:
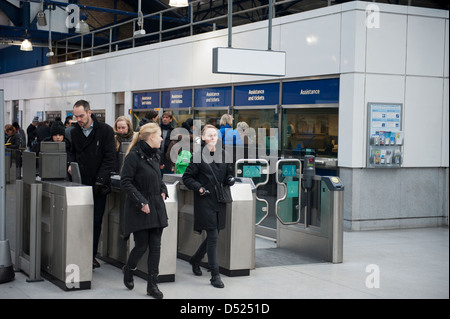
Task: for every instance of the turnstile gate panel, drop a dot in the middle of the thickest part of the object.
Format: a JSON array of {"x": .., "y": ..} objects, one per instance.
[
  {"x": 288, "y": 176},
  {"x": 258, "y": 171}
]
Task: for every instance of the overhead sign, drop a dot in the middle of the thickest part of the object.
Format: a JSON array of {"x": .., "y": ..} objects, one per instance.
[
  {"x": 324, "y": 91},
  {"x": 210, "y": 97},
  {"x": 176, "y": 98},
  {"x": 257, "y": 94},
  {"x": 247, "y": 61},
  {"x": 147, "y": 100}
]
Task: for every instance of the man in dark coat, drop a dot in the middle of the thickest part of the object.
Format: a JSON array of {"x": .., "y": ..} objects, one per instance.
[{"x": 93, "y": 148}]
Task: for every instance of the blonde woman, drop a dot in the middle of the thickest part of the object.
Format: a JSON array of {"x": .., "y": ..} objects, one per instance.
[
  {"x": 145, "y": 213},
  {"x": 209, "y": 214}
]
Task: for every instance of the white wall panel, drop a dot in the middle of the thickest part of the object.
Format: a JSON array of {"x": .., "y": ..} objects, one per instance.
[
  {"x": 426, "y": 45},
  {"x": 175, "y": 66},
  {"x": 446, "y": 46},
  {"x": 312, "y": 46},
  {"x": 386, "y": 45},
  {"x": 353, "y": 42},
  {"x": 352, "y": 114},
  {"x": 423, "y": 122},
  {"x": 117, "y": 73},
  {"x": 144, "y": 70},
  {"x": 94, "y": 76}
]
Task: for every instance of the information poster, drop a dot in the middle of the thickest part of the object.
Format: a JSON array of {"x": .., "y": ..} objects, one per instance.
[{"x": 385, "y": 135}]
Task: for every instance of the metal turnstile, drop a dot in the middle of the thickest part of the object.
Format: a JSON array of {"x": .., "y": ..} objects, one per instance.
[
  {"x": 54, "y": 227},
  {"x": 312, "y": 219},
  {"x": 236, "y": 245}
]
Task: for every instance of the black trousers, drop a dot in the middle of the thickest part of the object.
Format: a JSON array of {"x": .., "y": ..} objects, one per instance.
[
  {"x": 99, "y": 210},
  {"x": 208, "y": 246},
  {"x": 150, "y": 238}
]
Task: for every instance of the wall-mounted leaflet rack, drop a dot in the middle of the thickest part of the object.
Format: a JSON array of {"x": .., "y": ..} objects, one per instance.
[{"x": 385, "y": 135}]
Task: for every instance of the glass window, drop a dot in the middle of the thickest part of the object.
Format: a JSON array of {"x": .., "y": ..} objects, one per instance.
[{"x": 310, "y": 130}]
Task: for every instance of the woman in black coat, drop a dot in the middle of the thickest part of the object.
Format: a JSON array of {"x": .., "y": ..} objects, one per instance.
[
  {"x": 209, "y": 214},
  {"x": 145, "y": 212}
]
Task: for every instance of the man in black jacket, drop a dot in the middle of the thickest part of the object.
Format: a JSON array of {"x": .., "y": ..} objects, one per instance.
[{"x": 93, "y": 148}]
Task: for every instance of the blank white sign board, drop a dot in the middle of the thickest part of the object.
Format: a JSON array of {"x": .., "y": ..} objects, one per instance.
[{"x": 246, "y": 61}]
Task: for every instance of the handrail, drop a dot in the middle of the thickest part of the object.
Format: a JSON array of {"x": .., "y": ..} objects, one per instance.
[{"x": 136, "y": 40}]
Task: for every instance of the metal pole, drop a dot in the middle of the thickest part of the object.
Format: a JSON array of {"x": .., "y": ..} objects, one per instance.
[
  {"x": 230, "y": 21},
  {"x": 269, "y": 46}
]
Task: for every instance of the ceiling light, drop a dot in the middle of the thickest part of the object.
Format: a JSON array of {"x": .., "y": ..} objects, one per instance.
[
  {"x": 178, "y": 3},
  {"x": 26, "y": 45},
  {"x": 82, "y": 27}
]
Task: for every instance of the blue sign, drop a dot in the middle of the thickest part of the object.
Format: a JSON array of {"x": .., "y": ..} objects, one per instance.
[
  {"x": 311, "y": 92},
  {"x": 176, "y": 99},
  {"x": 213, "y": 97},
  {"x": 257, "y": 94},
  {"x": 147, "y": 100}
]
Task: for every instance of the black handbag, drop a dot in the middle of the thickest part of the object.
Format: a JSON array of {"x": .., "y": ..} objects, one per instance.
[{"x": 223, "y": 192}]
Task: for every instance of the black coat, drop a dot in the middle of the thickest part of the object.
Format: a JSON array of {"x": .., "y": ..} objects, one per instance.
[
  {"x": 142, "y": 183},
  {"x": 209, "y": 214},
  {"x": 95, "y": 154}
]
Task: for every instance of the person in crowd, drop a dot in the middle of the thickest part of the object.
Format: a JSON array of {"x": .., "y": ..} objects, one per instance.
[
  {"x": 93, "y": 149},
  {"x": 57, "y": 132},
  {"x": 12, "y": 139},
  {"x": 21, "y": 132},
  {"x": 209, "y": 214},
  {"x": 149, "y": 117},
  {"x": 145, "y": 212},
  {"x": 228, "y": 135},
  {"x": 123, "y": 132},
  {"x": 68, "y": 126},
  {"x": 32, "y": 131},
  {"x": 166, "y": 129},
  {"x": 176, "y": 138},
  {"x": 43, "y": 130}
]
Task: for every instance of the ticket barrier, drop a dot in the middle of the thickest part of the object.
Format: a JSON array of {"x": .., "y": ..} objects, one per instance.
[
  {"x": 115, "y": 250},
  {"x": 310, "y": 216},
  {"x": 236, "y": 245},
  {"x": 54, "y": 222}
]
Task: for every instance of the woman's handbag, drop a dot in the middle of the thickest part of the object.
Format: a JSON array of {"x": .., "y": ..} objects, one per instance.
[{"x": 223, "y": 192}]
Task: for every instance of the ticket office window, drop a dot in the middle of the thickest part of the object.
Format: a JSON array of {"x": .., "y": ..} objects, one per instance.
[
  {"x": 256, "y": 118},
  {"x": 209, "y": 115},
  {"x": 310, "y": 130},
  {"x": 179, "y": 116}
]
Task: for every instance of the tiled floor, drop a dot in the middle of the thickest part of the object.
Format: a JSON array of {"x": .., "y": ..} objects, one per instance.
[{"x": 410, "y": 263}]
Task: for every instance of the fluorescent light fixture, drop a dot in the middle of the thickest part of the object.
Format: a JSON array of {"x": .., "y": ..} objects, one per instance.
[
  {"x": 26, "y": 45},
  {"x": 178, "y": 3},
  {"x": 82, "y": 27}
]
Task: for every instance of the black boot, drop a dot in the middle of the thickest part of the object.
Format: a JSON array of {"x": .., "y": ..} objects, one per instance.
[
  {"x": 128, "y": 277},
  {"x": 215, "y": 278},
  {"x": 195, "y": 266},
  {"x": 152, "y": 286}
]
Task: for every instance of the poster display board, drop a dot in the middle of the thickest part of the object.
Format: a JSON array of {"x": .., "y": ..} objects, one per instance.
[{"x": 385, "y": 135}]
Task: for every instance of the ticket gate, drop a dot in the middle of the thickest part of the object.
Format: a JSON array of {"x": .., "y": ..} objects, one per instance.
[
  {"x": 236, "y": 245},
  {"x": 53, "y": 222},
  {"x": 115, "y": 250},
  {"x": 309, "y": 208}
]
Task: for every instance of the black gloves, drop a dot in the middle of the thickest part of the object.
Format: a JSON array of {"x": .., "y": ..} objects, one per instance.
[
  {"x": 102, "y": 186},
  {"x": 230, "y": 180}
]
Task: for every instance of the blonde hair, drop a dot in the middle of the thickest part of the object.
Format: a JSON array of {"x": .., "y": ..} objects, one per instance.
[
  {"x": 145, "y": 131},
  {"x": 126, "y": 120},
  {"x": 243, "y": 126},
  {"x": 208, "y": 126},
  {"x": 226, "y": 119}
]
